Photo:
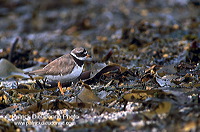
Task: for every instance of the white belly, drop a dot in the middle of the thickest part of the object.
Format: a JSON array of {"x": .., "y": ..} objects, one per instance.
[{"x": 67, "y": 78}]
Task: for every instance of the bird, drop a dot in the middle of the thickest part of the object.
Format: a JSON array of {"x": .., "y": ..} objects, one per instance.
[{"x": 66, "y": 68}]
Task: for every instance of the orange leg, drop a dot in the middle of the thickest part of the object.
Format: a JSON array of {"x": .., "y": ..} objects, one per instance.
[{"x": 60, "y": 87}]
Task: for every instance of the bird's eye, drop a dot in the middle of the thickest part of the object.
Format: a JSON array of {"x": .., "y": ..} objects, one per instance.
[{"x": 84, "y": 52}]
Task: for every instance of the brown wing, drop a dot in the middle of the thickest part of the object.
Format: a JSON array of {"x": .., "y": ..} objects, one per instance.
[{"x": 61, "y": 65}]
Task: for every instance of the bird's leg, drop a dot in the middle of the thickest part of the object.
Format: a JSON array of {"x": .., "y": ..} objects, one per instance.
[{"x": 60, "y": 87}]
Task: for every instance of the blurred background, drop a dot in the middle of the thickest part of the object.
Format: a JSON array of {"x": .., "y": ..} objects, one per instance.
[
  {"x": 52, "y": 28},
  {"x": 148, "y": 78}
]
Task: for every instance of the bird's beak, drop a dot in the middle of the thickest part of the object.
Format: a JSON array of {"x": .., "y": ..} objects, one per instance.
[{"x": 87, "y": 56}]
